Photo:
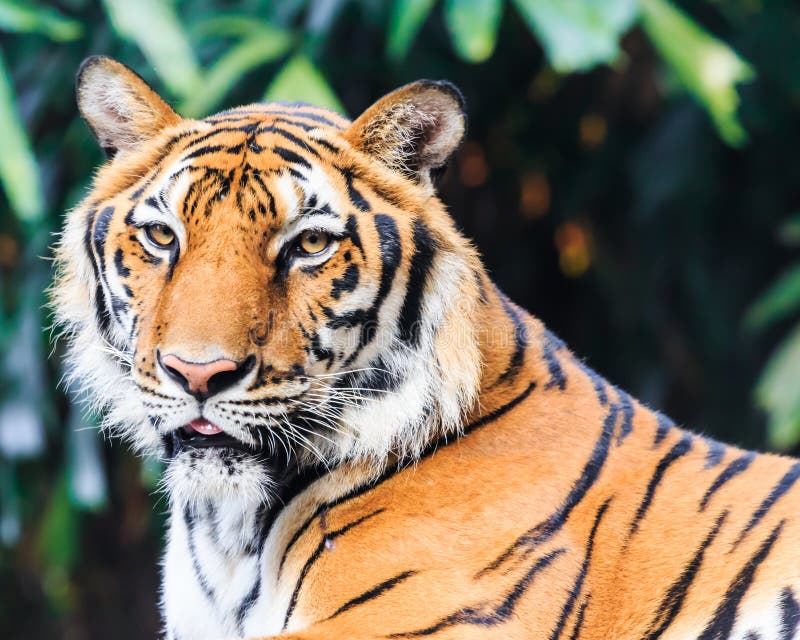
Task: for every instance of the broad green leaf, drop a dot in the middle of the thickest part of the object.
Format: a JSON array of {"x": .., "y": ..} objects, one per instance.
[
  {"x": 579, "y": 34},
  {"x": 707, "y": 67},
  {"x": 228, "y": 70},
  {"x": 780, "y": 300},
  {"x": 405, "y": 20},
  {"x": 473, "y": 27},
  {"x": 155, "y": 28},
  {"x": 19, "y": 17},
  {"x": 235, "y": 26},
  {"x": 778, "y": 392},
  {"x": 19, "y": 173},
  {"x": 300, "y": 81}
]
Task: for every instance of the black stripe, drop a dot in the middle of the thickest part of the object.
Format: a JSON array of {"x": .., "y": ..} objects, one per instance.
[
  {"x": 550, "y": 347},
  {"x": 373, "y": 593},
  {"x": 304, "y": 115},
  {"x": 673, "y": 601},
  {"x": 347, "y": 283},
  {"x": 626, "y": 404},
  {"x": 721, "y": 624},
  {"x": 102, "y": 314},
  {"x": 328, "y": 145},
  {"x": 315, "y": 556},
  {"x": 119, "y": 264},
  {"x": 790, "y": 614},
  {"x": 351, "y": 226},
  {"x": 361, "y": 489},
  {"x": 715, "y": 454},
  {"x": 549, "y": 527},
  {"x": 391, "y": 254},
  {"x": 99, "y": 237},
  {"x": 598, "y": 382},
  {"x": 206, "y": 588},
  {"x": 100, "y": 234},
  {"x": 520, "y": 340},
  {"x": 577, "y": 586},
  {"x": 664, "y": 424},
  {"x": 291, "y": 156},
  {"x": 734, "y": 468},
  {"x": 354, "y": 194},
  {"x": 291, "y": 137},
  {"x": 680, "y": 449},
  {"x": 486, "y": 614},
  {"x": 203, "y": 151},
  {"x": 778, "y": 491},
  {"x": 576, "y": 631},
  {"x": 245, "y": 128},
  {"x": 409, "y": 324}
]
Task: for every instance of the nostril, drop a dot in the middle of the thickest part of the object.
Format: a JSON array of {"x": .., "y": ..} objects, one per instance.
[
  {"x": 204, "y": 379},
  {"x": 170, "y": 365},
  {"x": 224, "y": 379}
]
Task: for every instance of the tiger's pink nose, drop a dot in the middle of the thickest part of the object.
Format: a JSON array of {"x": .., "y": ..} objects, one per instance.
[{"x": 204, "y": 379}]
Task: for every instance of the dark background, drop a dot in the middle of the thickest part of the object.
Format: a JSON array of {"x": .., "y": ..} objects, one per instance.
[{"x": 603, "y": 199}]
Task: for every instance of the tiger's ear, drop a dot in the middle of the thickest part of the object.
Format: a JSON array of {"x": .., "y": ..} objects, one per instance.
[
  {"x": 121, "y": 109},
  {"x": 414, "y": 129}
]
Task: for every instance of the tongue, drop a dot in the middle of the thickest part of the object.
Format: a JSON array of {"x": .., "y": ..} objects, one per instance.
[{"x": 204, "y": 427}]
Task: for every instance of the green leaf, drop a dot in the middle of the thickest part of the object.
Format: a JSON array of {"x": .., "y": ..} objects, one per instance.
[
  {"x": 19, "y": 173},
  {"x": 778, "y": 302},
  {"x": 27, "y": 18},
  {"x": 228, "y": 70},
  {"x": 299, "y": 80},
  {"x": 778, "y": 392},
  {"x": 405, "y": 20},
  {"x": 473, "y": 27},
  {"x": 155, "y": 28},
  {"x": 789, "y": 231},
  {"x": 579, "y": 34},
  {"x": 235, "y": 26},
  {"x": 705, "y": 66}
]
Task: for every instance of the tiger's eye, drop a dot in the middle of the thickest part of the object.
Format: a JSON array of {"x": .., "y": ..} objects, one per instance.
[
  {"x": 312, "y": 241},
  {"x": 160, "y": 235}
]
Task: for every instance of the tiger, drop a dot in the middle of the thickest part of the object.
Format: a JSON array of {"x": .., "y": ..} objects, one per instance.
[{"x": 363, "y": 437}]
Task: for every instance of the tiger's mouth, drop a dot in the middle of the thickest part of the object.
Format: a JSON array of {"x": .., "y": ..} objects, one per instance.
[{"x": 203, "y": 434}]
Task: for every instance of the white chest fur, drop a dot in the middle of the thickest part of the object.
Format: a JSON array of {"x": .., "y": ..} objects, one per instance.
[{"x": 215, "y": 573}]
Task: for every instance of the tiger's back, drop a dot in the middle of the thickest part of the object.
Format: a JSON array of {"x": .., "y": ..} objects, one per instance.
[{"x": 571, "y": 511}]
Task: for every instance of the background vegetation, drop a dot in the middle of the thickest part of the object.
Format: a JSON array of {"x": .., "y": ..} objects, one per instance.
[{"x": 630, "y": 176}]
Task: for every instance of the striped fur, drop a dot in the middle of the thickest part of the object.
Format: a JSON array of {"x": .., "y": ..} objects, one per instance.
[{"x": 430, "y": 461}]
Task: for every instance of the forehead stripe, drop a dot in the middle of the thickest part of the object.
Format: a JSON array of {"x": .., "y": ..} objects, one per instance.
[
  {"x": 291, "y": 137},
  {"x": 305, "y": 115},
  {"x": 291, "y": 156}
]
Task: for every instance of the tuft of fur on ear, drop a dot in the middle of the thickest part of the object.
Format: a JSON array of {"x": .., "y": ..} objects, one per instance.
[
  {"x": 121, "y": 109},
  {"x": 414, "y": 129}
]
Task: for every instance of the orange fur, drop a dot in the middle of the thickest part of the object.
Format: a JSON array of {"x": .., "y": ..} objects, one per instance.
[{"x": 551, "y": 506}]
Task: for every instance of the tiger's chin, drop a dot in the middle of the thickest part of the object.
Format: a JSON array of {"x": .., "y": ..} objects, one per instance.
[{"x": 207, "y": 466}]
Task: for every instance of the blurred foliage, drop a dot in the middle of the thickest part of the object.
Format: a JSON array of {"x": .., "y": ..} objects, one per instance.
[{"x": 634, "y": 220}]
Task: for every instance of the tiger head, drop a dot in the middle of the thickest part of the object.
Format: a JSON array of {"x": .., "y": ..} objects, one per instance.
[{"x": 269, "y": 287}]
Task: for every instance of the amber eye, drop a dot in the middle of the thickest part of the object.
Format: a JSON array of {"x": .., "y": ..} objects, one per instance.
[
  {"x": 313, "y": 242},
  {"x": 160, "y": 235}
]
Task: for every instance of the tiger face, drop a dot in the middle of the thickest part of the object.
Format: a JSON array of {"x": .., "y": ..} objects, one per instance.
[{"x": 251, "y": 293}]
